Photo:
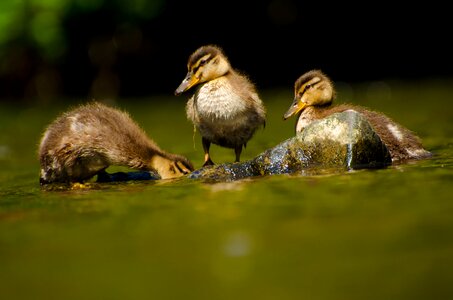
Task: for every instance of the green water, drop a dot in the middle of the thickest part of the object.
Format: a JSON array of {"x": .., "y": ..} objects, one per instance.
[{"x": 369, "y": 234}]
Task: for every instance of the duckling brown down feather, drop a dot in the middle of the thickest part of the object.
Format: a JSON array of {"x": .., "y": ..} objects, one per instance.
[
  {"x": 314, "y": 94},
  {"x": 85, "y": 141},
  {"x": 225, "y": 107},
  {"x": 400, "y": 141}
]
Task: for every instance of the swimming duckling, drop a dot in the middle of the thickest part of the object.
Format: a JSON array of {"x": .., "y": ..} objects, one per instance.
[
  {"x": 225, "y": 107},
  {"x": 85, "y": 141},
  {"x": 314, "y": 93}
]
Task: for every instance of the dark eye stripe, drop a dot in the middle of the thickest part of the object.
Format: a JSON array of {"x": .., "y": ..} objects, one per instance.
[
  {"x": 303, "y": 90},
  {"x": 311, "y": 85},
  {"x": 200, "y": 64}
]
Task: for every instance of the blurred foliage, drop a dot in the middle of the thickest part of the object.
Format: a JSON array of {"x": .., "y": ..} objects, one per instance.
[
  {"x": 55, "y": 49},
  {"x": 39, "y": 23},
  {"x": 34, "y": 38}
]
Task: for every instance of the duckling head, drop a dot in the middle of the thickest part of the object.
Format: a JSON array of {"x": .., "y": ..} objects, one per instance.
[
  {"x": 313, "y": 88},
  {"x": 205, "y": 64}
]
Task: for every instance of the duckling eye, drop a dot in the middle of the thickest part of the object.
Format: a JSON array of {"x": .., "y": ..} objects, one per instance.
[
  {"x": 308, "y": 86},
  {"x": 203, "y": 62}
]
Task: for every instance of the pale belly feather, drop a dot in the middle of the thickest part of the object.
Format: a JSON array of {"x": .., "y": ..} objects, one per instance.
[{"x": 221, "y": 115}]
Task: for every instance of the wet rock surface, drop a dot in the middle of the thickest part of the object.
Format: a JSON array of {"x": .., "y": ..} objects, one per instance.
[{"x": 343, "y": 140}]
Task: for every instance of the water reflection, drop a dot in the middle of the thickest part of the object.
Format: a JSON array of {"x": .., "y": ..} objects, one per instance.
[
  {"x": 227, "y": 186},
  {"x": 234, "y": 264},
  {"x": 237, "y": 244}
]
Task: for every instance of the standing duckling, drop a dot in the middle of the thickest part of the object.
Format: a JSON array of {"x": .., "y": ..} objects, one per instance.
[
  {"x": 225, "y": 107},
  {"x": 85, "y": 141},
  {"x": 314, "y": 93}
]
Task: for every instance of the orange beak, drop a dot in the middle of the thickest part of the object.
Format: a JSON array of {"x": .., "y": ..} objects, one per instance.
[
  {"x": 295, "y": 107},
  {"x": 187, "y": 83}
]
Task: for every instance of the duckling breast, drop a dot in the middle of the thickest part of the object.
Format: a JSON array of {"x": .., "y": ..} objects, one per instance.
[
  {"x": 217, "y": 101},
  {"x": 305, "y": 118},
  {"x": 223, "y": 114}
]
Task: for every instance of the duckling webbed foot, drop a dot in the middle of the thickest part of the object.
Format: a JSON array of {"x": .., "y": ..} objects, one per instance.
[{"x": 208, "y": 162}]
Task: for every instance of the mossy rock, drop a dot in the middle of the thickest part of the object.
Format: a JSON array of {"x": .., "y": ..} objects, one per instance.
[{"x": 343, "y": 140}]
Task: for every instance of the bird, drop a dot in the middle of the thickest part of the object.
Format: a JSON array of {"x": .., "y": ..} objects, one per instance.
[
  {"x": 314, "y": 93},
  {"x": 84, "y": 141},
  {"x": 225, "y": 107}
]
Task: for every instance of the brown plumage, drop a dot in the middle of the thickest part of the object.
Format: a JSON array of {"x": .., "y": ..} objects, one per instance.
[
  {"x": 85, "y": 141},
  {"x": 225, "y": 107},
  {"x": 314, "y": 93}
]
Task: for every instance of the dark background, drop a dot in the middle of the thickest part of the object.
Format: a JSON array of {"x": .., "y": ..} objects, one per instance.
[{"x": 136, "y": 48}]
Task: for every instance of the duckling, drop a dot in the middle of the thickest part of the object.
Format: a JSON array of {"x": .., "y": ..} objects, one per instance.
[
  {"x": 314, "y": 93},
  {"x": 83, "y": 142},
  {"x": 225, "y": 107}
]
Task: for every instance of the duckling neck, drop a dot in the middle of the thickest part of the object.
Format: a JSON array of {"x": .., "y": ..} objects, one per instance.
[{"x": 310, "y": 114}]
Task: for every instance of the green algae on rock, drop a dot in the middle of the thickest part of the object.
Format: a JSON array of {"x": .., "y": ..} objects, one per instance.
[{"x": 342, "y": 140}]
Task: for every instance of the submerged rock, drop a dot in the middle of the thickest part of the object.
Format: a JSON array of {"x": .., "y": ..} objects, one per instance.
[{"x": 342, "y": 140}]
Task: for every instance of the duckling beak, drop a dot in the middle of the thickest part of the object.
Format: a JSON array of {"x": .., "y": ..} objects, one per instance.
[
  {"x": 295, "y": 107},
  {"x": 187, "y": 83}
]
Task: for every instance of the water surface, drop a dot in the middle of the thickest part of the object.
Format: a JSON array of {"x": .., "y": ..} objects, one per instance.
[{"x": 368, "y": 234}]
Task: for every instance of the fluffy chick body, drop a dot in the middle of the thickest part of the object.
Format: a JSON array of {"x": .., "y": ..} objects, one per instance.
[
  {"x": 86, "y": 140},
  {"x": 225, "y": 107}
]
